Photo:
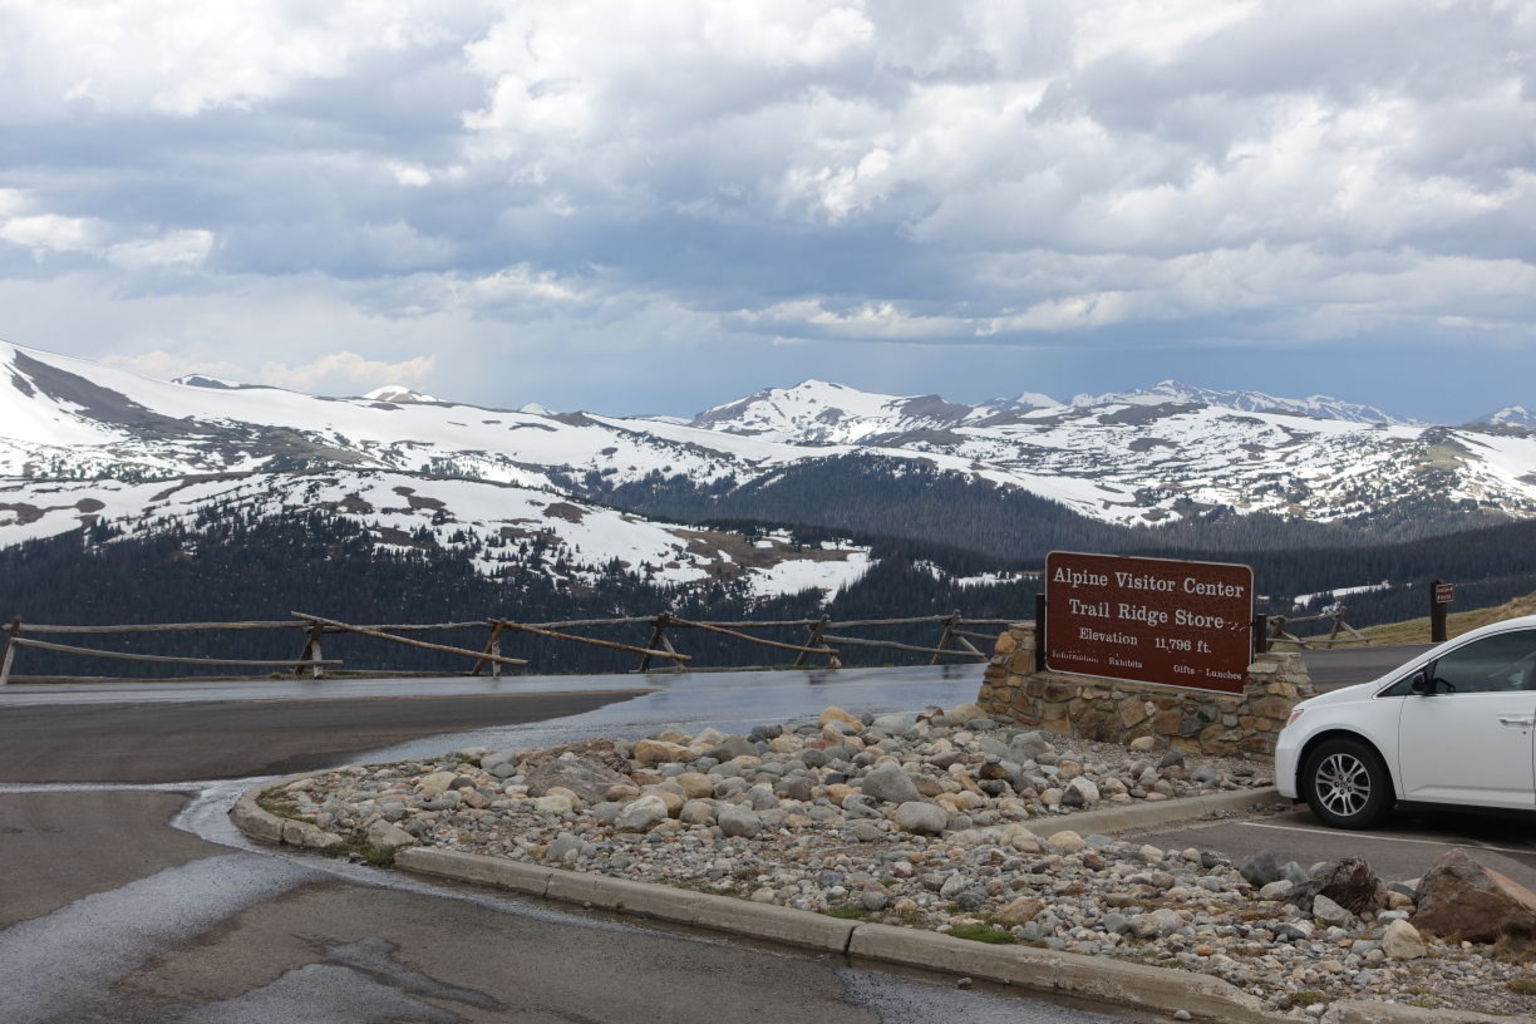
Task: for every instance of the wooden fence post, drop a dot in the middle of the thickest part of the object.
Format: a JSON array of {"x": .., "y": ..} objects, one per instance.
[
  {"x": 813, "y": 639},
  {"x": 492, "y": 647},
  {"x": 659, "y": 641},
  {"x": 9, "y": 657},
  {"x": 945, "y": 636},
  {"x": 311, "y": 652}
]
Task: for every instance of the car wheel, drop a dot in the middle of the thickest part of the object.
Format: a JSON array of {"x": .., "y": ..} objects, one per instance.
[{"x": 1346, "y": 784}]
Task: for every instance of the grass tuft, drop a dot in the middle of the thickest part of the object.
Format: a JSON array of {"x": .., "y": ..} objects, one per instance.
[
  {"x": 981, "y": 932},
  {"x": 849, "y": 912}
]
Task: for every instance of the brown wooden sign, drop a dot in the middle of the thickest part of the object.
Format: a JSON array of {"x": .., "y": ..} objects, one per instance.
[
  {"x": 1149, "y": 619},
  {"x": 1445, "y": 593}
]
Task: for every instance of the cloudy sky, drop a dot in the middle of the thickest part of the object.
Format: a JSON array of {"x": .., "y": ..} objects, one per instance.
[{"x": 654, "y": 207}]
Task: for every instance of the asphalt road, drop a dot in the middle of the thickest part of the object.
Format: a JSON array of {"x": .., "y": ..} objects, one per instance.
[
  {"x": 128, "y": 903},
  {"x": 1345, "y": 666},
  {"x": 163, "y": 742},
  {"x": 1402, "y": 850}
]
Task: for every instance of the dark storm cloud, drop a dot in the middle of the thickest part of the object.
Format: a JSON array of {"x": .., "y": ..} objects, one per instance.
[{"x": 404, "y": 179}]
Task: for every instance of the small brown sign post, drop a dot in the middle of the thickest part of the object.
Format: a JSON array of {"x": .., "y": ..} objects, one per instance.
[
  {"x": 1441, "y": 595},
  {"x": 1149, "y": 619}
]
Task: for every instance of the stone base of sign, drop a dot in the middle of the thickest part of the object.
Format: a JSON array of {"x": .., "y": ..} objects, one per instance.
[{"x": 1115, "y": 711}]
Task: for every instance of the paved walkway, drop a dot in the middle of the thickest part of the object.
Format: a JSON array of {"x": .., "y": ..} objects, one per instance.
[{"x": 130, "y": 903}]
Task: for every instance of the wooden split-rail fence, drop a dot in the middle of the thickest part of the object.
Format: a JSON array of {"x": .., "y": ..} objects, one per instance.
[
  {"x": 822, "y": 645},
  {"x": 1341, "y": 632}
]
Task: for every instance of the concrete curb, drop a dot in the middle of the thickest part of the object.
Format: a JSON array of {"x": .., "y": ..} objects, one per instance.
[
  {"x": 1152, "y": 815},
  {"x": 643, "y": 899},
  {"x": 1360, "y": 1012},
  {"x": 258, "y": 823},
  {"x": 1096, "y": 978}
]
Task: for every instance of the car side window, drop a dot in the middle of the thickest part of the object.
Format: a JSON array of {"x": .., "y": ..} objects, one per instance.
[{"x": 1499, "y": 663}]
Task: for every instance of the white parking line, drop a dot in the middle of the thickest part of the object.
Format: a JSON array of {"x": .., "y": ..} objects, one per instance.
[{"x": 1390, "y": 839}]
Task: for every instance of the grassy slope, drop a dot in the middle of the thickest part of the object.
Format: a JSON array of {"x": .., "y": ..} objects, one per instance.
[{"x": 1416, "y": 631}]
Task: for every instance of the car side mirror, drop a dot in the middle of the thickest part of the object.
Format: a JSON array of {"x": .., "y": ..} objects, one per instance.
[{"x": 1420, "y": 685}]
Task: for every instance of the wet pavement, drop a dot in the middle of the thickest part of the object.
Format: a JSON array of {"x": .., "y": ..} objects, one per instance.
[{"x": 117, "y": 914}]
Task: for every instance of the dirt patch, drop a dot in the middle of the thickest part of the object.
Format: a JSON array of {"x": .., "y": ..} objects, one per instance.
[
  {"x": 417, "y": 502},
  {"x": 24, "y": 513},
  {"x": 566, "y": 511}
]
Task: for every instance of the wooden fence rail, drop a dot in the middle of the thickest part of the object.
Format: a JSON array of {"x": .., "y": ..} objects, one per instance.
[
  {"x": 1341, "y": 633},
  {"x": 822, "y": 639}
]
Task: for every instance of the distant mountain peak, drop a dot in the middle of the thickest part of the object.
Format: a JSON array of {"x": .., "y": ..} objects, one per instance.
[
  {"x": 202, "y": 380},
  {"x": 398, "y": 393},
  {"x": 1510, "y": 416},
  {"x": 1175, "y": 392}
]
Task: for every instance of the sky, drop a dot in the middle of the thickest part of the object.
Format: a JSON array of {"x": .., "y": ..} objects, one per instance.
[{"x": 656, "y": 207}]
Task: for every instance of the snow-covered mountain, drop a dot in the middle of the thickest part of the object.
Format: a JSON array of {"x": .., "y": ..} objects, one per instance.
[
  {"x": 1171, "y": 392},
  {"x": 1511, "y": 416},
  {"x": 397, "y": 393},
  {"x": 79, "y": 440}
]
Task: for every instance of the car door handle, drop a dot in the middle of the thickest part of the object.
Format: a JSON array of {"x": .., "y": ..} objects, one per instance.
[{"x": 1517, "y": 723}]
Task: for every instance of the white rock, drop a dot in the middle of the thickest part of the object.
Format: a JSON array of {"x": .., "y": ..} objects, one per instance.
[
  {"x": 1067, "y": 841},
  {"x": 1402, "y": 941},
  {"x": 1329, "y": 912},
  {"x": 641, "y": 815},
  {"x": 1277, "y": 890},
  {"x": 920, "y": 817}
]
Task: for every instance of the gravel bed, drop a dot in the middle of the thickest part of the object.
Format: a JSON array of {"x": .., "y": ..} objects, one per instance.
[{"x": 917, "y": 820}]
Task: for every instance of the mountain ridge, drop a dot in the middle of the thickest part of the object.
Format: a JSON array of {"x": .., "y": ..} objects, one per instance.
[{"x": 80, "y": 442}]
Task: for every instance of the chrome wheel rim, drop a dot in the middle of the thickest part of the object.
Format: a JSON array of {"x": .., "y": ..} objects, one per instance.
[{"x": 1343, "y": 784}]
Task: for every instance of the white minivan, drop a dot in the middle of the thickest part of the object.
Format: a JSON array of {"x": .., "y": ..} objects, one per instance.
[{"x": 1455, "y": 726}]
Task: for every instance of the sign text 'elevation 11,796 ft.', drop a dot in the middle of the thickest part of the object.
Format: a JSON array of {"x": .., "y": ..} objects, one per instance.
[{"x": 1149, "y": 619}]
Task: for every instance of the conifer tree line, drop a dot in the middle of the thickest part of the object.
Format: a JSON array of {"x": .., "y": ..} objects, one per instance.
[{"x": 229, "y": 564}]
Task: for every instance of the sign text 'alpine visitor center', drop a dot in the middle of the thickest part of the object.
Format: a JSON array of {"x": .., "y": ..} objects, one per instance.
[{"x": 1149, "y": 619}]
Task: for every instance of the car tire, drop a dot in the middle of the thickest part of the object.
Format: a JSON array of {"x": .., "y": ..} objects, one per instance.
[{"x": 1346, "y": 784}]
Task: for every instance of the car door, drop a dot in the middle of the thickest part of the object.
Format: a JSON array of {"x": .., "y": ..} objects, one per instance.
[{"x": 1470, "y": 741}]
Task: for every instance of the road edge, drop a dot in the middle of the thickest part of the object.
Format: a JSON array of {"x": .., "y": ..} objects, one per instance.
[{"x": 1050, "y": 972}]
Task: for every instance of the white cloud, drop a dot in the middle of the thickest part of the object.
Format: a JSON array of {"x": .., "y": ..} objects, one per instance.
[
  {"x": 391, "y": 177},
  {"x": 181, "y": 58},
  {"x": 131, "y": 246},
  {"x": 346, "y": 370}
]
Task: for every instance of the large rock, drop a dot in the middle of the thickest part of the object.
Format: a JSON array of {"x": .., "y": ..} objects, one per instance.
[
  {"x": 1156, "y": 924},
  {"x": 1461, "y": 899},
  {"x": 1067, "y": 841},
  {"x": 739, "y": 821},
  {"x": 920, "y": 818},
  {"x": 388, "y": 834},
  {"x": 731, "y": 748},
  {"x": 1261, "y": 869},
  {"x": 1021, "y": 911},
  {"x": 435, "y": 784},
  {"x": 889, "y": 783},
  {"x": 1029, "y": 745},
  {"x": 837, "y": 714},
  {"x": 641, "y": 815},
  {"x": 1401, "y": 941},
  {"x": 660, "y": 752},
  {"x": 587, "y": 779},
  {"x": 1350, "y": 883}
]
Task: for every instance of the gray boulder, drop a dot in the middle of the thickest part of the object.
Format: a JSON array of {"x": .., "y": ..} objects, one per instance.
[
  {"x": 587, "y": 779},
  {"x": 889, "y": 783},
  {"x": 1261, "y": 869},
  {"x": 641, "y": 815},
  {"x": 920, "y": 818},
  {"x": 732, "y": 747},
  {"x": 735, "y": 820}
]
